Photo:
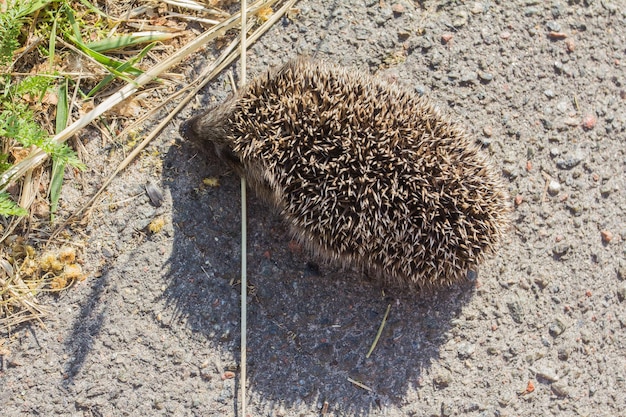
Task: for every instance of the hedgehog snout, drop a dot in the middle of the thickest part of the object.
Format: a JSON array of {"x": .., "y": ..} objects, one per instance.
[{"x": 185, "y": 129}]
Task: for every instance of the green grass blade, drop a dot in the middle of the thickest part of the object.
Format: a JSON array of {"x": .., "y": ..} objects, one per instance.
[
  {"x": 70, "y": 17},
  {"x": 58, "y": 164},
  {"x": 123, "y": 41},
  {"x": 32, "y": 7},
  {"x": 106, "y": 80},
  {"x": 111, "y": 64},
  {"x": 63, "y": 108},
  {"x": 52, "y": 44}
]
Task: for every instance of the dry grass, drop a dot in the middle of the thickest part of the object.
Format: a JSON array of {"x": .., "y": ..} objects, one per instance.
[{"x": 27, "y": 271}]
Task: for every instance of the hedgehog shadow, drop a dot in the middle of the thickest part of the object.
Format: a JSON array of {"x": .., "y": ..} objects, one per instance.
[{"x": 308, "y": 333}]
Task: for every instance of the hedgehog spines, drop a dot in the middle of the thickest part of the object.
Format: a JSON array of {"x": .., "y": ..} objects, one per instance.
[{"x": 365, "y": 173}]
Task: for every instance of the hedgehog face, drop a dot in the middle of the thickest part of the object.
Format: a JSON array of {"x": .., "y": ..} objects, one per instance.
[{"x": 208, "y": 130}]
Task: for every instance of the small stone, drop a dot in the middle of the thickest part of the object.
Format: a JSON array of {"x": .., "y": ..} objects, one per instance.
[
  {"x": 549, "y": 93},
  {"x": 446, "y": 37},
  {"x": 228, "y": 375},
  {"x": 562, "y": 106},
  {"x": 485, "y": 76},
  {"x": 505, "y": 35},
  {"x": 586, "y": 336},
  {"x": 621, "y": 271},
  {"x": 488, "y": 131},
  {"x": 519, "y": 199},
  {"x": 547, "y": 373},
  {"x": 570, "y": 45},
  {"x": 531, "y": 11},
  {"x": 465, "y": 350},
  {"x": 606, "y": 190},
  {"x": 561, "y": 249},
  {"x": 554, "y": 152},
  {"x": 607, "y": 236},
  {"x": 556, "y": 328},
  {"x": 557, "y": 35},
  {"x": 621, "y": 291},
  {"x": 554, "y": 187},
  {"x": 460, "y": 19},
  {"x": 443, "y": 378},
  {"x": 397, "y": 8},
  {"x": 563, "y": 353},
  {"x": 575, "y": 209},
  {"x": 542, "y": 281},
  {"x": 558, "y": 66},
  {"x": 589, "y": 122},
  {"x": 516, "y": 310},
  {"x": 403, "y": 35},
  {"x": 469, "y": 77},
  {"x": 107, "y": 252},
  {"x": 447, "y": 408},
  {"x": 560, "y": 388},
  {"x": 570, "y": 162},
  {"x": 492, "y": 350},
  {"x": 553, "y": 26}
]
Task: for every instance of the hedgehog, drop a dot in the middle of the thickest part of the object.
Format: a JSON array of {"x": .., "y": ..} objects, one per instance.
[{"x": 367, "y": 174}]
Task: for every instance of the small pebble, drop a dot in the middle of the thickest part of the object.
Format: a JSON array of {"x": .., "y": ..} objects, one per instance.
[
  {"x": 607, "y": 236},
  {"x": 570, "y": 162},
  {"x": 505, "y": 35},
  {"x": 557, "y": 35},
  {"x": 465, "y": 350},
  {"x": 460, "y": 19},
  {"x": 570, "y": 45},
  {"x": 468, "y": 77},
  {"x": 554, "y": 152},
  {"x": 621, "y": 271},
  {"x": 564, "y": 353},
  {"x": 558, "y": 66},
  {"x": 557, "y": 328},
  {"x": 488, "y": 131},
  {"x": 519, "y": 199},
  {"x": 586, "y": 336},
  {"x": 485, "y": 76},
  {"x": 443, "y": 378},
  {"x": 516, "y": 310},
  {"x": 621, "y": 291},
  {"x": 589, "y": 122},
  {"x": 547, "y": 373},
  {"x": 397, "y": 8},
  {"x": 560, "y": 388},
  {"x": 549, "y": 93},
  {"x": 446, "y": 37},
  {"x": 553, "y": 26},
  {"x": 560, "y": 249},
  {"x": 228, "y": 375},
  {"x": 554, "y": 187}
]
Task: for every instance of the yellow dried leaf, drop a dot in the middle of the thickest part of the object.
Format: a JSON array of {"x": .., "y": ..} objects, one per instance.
[
  {"x": 156, "y": 225},
  {"x": 67, "y": 254},
  {"x": 211, "y": 182},
  {"x": 264, "y": 14}
]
